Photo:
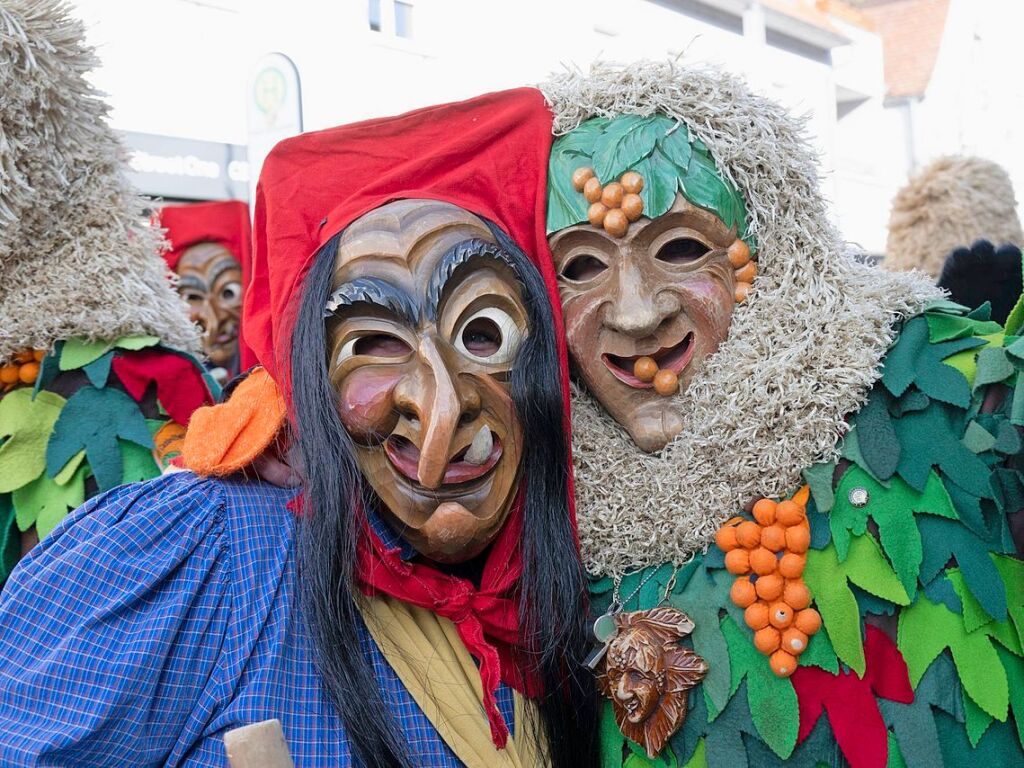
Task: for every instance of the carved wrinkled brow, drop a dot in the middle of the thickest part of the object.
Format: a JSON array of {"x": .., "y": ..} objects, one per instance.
[
  {"x": 455, "y": 257},
  {"x": 373, "y": 290}
]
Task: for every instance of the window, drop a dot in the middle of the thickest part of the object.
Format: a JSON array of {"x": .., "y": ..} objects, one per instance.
[
  {"x": 373, "y": 12},
  {"x": 403, "y": 19}
]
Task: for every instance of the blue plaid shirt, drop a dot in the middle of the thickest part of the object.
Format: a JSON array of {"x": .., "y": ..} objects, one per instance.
[{"x": 158, "y": 616}]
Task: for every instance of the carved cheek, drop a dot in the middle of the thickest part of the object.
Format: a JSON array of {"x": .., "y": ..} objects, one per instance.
[
  {"x": 709, "y": 302},
  {"x": 366, "y": 401}
]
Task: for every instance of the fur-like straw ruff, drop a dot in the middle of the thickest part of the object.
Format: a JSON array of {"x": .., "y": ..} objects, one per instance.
[
  {"x": 949, "y": 204},
  {"x": 76, "y": 259},
  {"x": 802, "y": 352}
]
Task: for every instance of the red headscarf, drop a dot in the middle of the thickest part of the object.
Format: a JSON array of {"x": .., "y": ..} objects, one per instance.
[
  {"x": 488, "y": 155},
  {"x": 224, "y": 222}
]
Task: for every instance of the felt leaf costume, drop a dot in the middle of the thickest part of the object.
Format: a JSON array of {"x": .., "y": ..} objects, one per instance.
[
  {"x": 899, "y": 411},
  {"x": 81, "y": 302}
]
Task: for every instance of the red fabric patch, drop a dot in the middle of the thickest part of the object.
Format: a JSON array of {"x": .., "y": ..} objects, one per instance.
[
  {"x": 850, "y": 700},
  {"x": 180, "y": 386}
]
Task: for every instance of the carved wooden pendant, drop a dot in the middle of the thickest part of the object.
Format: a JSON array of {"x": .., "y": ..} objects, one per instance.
[{"x": 647, "y": 674}]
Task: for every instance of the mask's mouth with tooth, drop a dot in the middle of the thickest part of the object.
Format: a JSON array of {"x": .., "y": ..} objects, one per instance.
[
  {"x": 467, "y": 465},
  {"x": 673, "y": 358}
]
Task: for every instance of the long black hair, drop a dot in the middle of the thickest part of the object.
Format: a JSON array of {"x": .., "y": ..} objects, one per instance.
[{"x": 552, "y": 603}]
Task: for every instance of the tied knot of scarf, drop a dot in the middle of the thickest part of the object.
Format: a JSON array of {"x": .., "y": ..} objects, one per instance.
[{"x": 486, "y": 617}]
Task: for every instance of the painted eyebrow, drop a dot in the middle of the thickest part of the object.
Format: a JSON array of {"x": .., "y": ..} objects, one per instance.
[
  {"x": 373, "y": 290},
  {"x": 455, "y": 257},
  {"x": 191, "y": 281},
  {"x": 221, "y": 267}
]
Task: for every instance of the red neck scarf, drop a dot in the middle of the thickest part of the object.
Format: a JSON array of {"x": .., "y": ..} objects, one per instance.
[{"x": 486, "y": 617}]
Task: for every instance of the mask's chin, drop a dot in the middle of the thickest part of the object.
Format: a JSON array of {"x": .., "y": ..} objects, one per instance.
[{"x": 453, "y": 534}]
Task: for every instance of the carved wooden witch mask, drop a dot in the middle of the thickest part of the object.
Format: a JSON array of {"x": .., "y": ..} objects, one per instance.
[
  {"x": 210, "y": 280},
  {"x": 650, "y": 264},
  {"x": 426, "y": 317},
  {"x": 648, "y": 674}
]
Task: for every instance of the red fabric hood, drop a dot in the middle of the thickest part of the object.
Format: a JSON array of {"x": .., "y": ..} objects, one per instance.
[{"x": 224, "y": 222}]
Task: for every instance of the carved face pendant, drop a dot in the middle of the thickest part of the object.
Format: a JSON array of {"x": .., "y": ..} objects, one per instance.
[{"x": 647, "y": 674}]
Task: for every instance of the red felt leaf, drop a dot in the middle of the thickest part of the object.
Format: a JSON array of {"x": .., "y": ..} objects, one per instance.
[
  {"x": 850, "y": 702},
  {"x": 180, "y": 387}
]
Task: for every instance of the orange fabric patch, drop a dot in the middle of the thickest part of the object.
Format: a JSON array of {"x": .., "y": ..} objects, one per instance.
[{"x": 222, "y": 439}]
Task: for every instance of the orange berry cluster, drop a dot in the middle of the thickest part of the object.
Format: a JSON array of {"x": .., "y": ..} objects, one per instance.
[
  {"x": 614, "y": 205},
  {"x": 745, "y": 269},
  {"x": 23, "y": 369},
  {"x": 774, "y": 551}
]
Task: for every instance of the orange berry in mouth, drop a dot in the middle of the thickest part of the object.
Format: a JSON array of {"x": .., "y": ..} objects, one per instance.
[
  {"x": 743, "y": 593},
  {"x": 780, "y": 615},
  {"x": 792, "y": 565},
  {"x": 580, "y": 177},
  {"x": 666, "y": 383},
  {"x": 763, "y": 562},
  {"x": 773, "y": 538},
  {"x": 782, "y": 663},
  {"x": 790, "y": 513},
  {"x": 797, "y": 595},
  {"x": 633, "y": 206},
  {"x": 737, "y": 562},
  {"x": 592, "y": 190},
  {"x": 768, "y": 587},
  {"x": 645, "y": 369},
  {"x": 632, "y": 182},
  {"x": 739, "y": 254},
  {"x": 756, "y": 616},
  {"x": 748, "y": 534},
  {"x": 612, "y": 194},
  {"x": 596, "y": 214},
  {"x": 764, "y": 511},
  {"x": 767, "y": 640},
  {"x": 807, "y": 621},
  {"x": 794, "y": 641}
]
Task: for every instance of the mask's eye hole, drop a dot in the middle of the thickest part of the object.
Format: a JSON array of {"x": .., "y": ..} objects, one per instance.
[
  {"x": 583, "y": 268},
  {"x": 489, "y": 336},
  {"x": 231, "y": 292},
  {"x": 193, "y": 297},
  {"x": 374, "y": 345},
  {"x": 681, "y": 251}
]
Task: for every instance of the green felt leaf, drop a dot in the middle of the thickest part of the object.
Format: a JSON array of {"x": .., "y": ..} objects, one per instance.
[
  {"x": 926, "y": 629},
  {"x": 1012, "y": 572},
  {"x": 25, "y": 427},
  {"x": 998, "y": 747},
  {"x": 1014, "y": 668},
  {"x": 704, "y": 594},
  {"x": 993, "y": 367},
  {"x": 98, "y": 371},
  {"x": 612, "y": 740},
  {"x": 911, "y": 400},
  {"x": 977, "y": 720},
  {"x": 699, "y": 757},
  {"x": 10, "y": 538},
  {"x": 945, "y": 306},
  {"x": 49, "y": 368},
  {"x": 136, "y": 342},
  {"x": 931, "y": 438},
  {"x": 876, "y": 435},
  {"x": 819, "y": 478},
  {"x": 982, "y": 312},
  {"x": 626, "y": 140},
  {"x": 44, "y": 503},
  {"x": 95, "y": 419},
  {"x": 914, "y": 724},
  {"x": 771, "y": 699},
  {"x": 898, "y": 366},
  {"x": 893, "y": 511},
  {"x": 1015, "y": 319},
  {"x": 1008, "y": 439},
  {"x": 967, "y": 362},
  {"x": 137, "y": 463},
  {"x": 977, "y": 439},
  {"x": 78, "y": 353},
  {"x": 943, "y": 539},
  {"x": 944, "y": 327},
  {"x": 820, "y": 653},
  {"x": 724, "y": 739},
  {"x": 62, "y": 477},
  {"x": 895, "y": 757},
  {"x": 829, "y": 580}
]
